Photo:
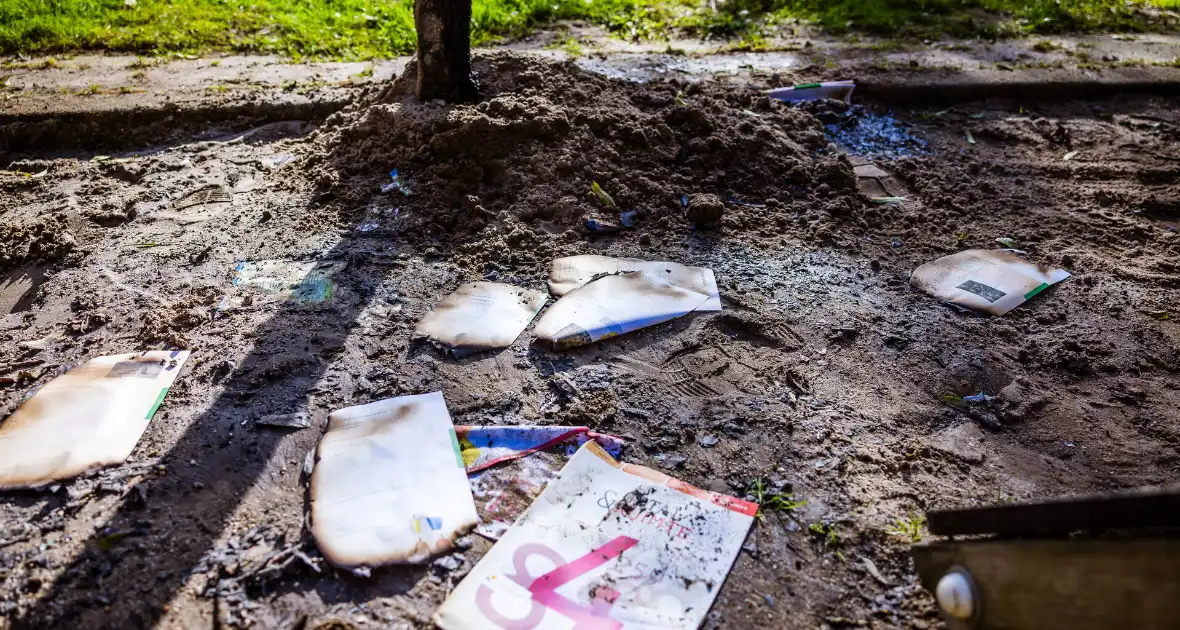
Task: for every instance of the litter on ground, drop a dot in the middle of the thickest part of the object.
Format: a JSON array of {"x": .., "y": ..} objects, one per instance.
[
  {"x": 605, "y": 545},
  {"x": 992, "y": 281},
  {"x": 89, "y": 417},
  {"x": 389, "y": 485},
  {"x": 567, "y": 274},
  {"x": 309, "y": 282},
  {"x": 838, "y": 90},
  {"x": 510, "y": 465},
  {"x": 481, "y": 316},
  {"x": 613, "y": 305}
]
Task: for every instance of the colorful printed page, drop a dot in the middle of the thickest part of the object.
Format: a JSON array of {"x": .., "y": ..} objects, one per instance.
[
  {"x": 606, "y": 546},
  {"x": 509, "y": 466}
]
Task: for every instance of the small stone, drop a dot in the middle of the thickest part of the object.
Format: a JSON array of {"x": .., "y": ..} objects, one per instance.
[
  {"x": 449, "y": 563},
  {"x": 705, "y": 209},
  {"x": 309, "y": 463}
]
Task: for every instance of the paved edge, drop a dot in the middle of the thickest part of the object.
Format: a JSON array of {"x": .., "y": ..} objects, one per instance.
[
  {"x": 1041, "y": 85},
  {"x": 114, "y": 124}
]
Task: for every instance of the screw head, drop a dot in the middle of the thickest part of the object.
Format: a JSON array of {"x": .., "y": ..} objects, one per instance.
[{"x": 955, "y": 595}]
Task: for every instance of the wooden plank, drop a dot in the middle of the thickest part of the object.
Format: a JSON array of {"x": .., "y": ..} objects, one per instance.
[
  {"x": 1069, "y": 584},
  {"x": 1150, "y": 508}
]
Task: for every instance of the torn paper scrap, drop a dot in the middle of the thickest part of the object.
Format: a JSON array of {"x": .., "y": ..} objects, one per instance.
[
  {"x": 606, "y": 545},
  {"x": 307, "y": 282},
  {"x": 89, "y": 417},
  {"x": 838, "y": 90},
  {"x": 876, "y": 182},
  {"x": 508, "y": 466},
  {"x": 611, "y": 306},
  {"x": 481, "y": 316},
  {"x": 992, "y": 281},
  {"x": 567, "y": 274},
  {"x": 484, "y": 447},
  {"x": 389, "y": 485}
]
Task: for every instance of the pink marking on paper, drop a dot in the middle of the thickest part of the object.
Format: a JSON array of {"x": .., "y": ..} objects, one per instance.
[
  {"x": 594, "y": 617},
  {"x": 570, "y": 570}
]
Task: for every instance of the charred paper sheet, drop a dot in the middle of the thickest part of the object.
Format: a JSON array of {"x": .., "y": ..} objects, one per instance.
[
  {"x": 606, "y": 545},
  {"x": 389, "y": 485},
  {"x": 993, "y": 281},
  {"x": 613, "y": 305},
  {"x": 481, "y": 316},
  {"x": 89, "y": 417},
  {"x": 571, "y": 272}
]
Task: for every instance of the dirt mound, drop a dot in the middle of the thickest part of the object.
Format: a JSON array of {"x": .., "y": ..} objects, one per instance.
[
  {"x": 529, "y": 153},
  {"x": 43, "y": 240}
]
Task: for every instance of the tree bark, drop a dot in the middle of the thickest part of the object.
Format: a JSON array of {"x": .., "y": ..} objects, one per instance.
[{"x": 444, "y": 50}]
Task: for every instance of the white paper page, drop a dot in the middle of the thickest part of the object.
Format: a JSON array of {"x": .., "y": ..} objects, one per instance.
[
  {"x": 992, "y": 281},
  {"x": 571, "y": 272},
  {"x": 612, "y": 306},
  {"x": 89, "y": 417},
  {"x": 389, "y": 484},
  {"x": 481, "y": 316}
]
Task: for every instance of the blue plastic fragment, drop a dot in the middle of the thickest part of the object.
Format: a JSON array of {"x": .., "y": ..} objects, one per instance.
[{"x": 628, "y": 218}]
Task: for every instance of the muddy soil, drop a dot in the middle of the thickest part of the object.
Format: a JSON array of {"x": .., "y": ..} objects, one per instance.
[{"x": 826, "y": 375}]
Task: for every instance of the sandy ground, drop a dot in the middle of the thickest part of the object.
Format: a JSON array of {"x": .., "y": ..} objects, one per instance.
[{"x": 826, "y": 374}]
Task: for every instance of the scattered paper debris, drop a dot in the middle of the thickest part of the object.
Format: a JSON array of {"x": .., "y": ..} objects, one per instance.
[
  {"x": 203, "y": 196},
  {"x": 613, "y": 305},
  {"x": 606, "y": 199},
  {"x": 396, "y": 184},
  {"x": 567, "y": 274},
  {"x": 389, "y": 485},
  {"x": 878, "y": 183},
  {"x": 838, "y": 90},
  {"x": 277, "y": 160},
  {"x": 992, "y": 281},
  {"x": 1069, "y": 156},
  {"x": 874, "y": 571},
  {"x": 297, "y": 420},
  {"x": 870, "y": 170},
  {"x": 306, "y": 282},
  {"x": 485, "y": 447},
  {"x": 606, "y": 545},
  {"x": 89, "y": 417},
  {"x": 481, "y": 316},
  {"x": 510, "y": 465}
]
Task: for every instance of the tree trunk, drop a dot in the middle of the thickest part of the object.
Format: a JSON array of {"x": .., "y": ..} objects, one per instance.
[{"x": 444, "y": 50}]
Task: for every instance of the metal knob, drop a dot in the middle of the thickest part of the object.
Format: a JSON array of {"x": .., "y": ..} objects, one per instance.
[{"x": 955, "y": 594}]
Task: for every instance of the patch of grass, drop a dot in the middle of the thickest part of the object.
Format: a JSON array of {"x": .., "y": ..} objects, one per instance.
[
  {"x": 769, "y": 500},
  {"x": 909, "y": 528},
  {"x": 570, "y": 46},
  {"x": 364, "y": 29},
  {"x": 1045, "y": 46},
  {"x": 825, "y": 531}
]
